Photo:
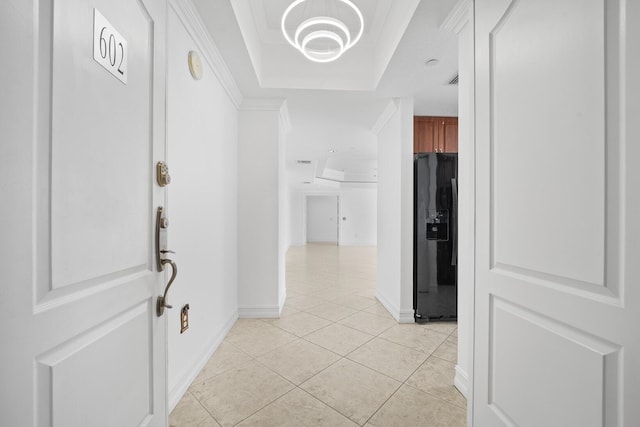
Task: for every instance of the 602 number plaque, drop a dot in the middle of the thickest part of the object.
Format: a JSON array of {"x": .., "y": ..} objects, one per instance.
[{"x": 109, "y": 47}]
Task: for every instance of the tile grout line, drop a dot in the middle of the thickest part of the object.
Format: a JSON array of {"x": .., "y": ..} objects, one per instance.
[
  {"x": 435, "y": 396},
  {"x": 202, "y": 406},
  {"x": 270, "y": 403},
  {"x": 383, "y": 403},
  {"x": 327, "y": 405},
  {"x": 323, "y": 289}
]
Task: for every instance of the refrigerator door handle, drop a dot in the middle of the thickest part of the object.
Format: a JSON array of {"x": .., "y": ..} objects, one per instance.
[{"x": 454, "y": 223}]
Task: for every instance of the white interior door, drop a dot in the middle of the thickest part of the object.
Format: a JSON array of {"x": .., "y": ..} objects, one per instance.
[
  {"x": 322, "y": 219},
  {"x": 557, "y": 268},
  {"x": 82, "y": 345}
]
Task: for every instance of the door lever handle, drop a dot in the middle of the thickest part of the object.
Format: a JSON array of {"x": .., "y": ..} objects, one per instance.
[
  {"x": 162, "y": 301},
  {"x": 161, "y": 242}
]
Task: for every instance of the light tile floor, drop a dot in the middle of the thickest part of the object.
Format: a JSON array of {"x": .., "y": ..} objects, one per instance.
[{"x": 335, "y": 357}]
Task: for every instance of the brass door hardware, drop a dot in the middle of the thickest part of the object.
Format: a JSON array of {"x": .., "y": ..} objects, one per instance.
[
  {"x": 162, "y": 174},
  {"x": 162, "y": 223},
  {"x": 162, "y": 301}
]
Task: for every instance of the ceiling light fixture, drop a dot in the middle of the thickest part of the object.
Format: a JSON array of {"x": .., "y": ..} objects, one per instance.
[{"x": 322, "y": 38}]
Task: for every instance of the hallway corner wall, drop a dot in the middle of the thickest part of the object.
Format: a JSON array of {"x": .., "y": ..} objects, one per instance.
[
  {"x": 460, "y": 21},
  {"x": 394, "y": 287},
  {"x": 202, "y": 136},
  {"x": 262, "y": 238}
]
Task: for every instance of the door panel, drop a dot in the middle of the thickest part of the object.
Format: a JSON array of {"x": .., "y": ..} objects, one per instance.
[
  {"x": 574, "y": 366},
  {"x": 101, "y": 146},
  {"x": 554, "y": 306},
  {"x": 537, "y": 185},
  {"x": 86, "y": 345},
  {"x": 69, "y": 371}
]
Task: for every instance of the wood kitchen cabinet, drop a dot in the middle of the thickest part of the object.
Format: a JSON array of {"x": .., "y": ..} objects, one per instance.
[{"x": 435, "y": 134}]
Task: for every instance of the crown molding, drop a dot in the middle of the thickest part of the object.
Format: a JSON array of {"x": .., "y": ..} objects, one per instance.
[
  {"x": 269, "y": 104},
  {"x": 190, "y": 18},
  {"x": 262, "y": 104},
  {"x": 458, "y": 17}
]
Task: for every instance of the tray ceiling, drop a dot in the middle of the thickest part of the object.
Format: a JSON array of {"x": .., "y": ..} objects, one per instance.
[{"x": 278, "y": 65}]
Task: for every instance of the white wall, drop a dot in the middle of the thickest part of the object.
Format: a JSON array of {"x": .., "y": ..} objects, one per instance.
[
  {"x": 394, "y": 287},
  {"x": 202, "y": 209},
  {"x": 322, "y": 219},
  {"x": 262, "y": 236},
  {"x": 463, "y": 25},
  {"x": 296, "y": 213},
  {"x": 405, "y": 214}
]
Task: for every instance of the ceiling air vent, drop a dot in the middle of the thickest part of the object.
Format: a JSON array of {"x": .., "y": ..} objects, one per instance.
[
  {"x": 453, "y": 81},
  {"x": 304, "y": 162}
]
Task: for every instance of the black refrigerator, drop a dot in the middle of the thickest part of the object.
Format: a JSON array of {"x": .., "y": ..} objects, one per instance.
[{"x": 435, "y": 213}]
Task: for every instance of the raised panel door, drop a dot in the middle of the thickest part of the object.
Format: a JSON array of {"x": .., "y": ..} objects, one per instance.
[
  {"x": 556, "y": 301},
  {"x": 82, "y": 345}
]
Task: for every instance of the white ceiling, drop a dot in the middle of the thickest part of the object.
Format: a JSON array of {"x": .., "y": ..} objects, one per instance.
[{"x": 334, "y": 106}]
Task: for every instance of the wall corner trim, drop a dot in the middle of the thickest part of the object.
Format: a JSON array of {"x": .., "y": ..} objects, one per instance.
[
  {"x": 406, "y": 316},
  {"x": 285, "y": 119},
  {"x": 269, "y": 104},
  {"x": 188, "y": 14},
  {"x": 458, "y": 17},
  {"x": 385, "y": 116},
  {"x": 461, "y": 381},
  {"x": 283, "y": 299},
  {"x": 392, "y": 309}
]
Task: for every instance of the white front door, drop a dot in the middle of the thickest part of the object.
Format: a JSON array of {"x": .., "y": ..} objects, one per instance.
[
  {"x": 81, "y": 342},
  {"x": 557, "y": 306}
]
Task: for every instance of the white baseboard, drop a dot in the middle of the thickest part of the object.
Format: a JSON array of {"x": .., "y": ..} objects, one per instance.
[
  {"x": 392, "y": 309},
  {"x": 357, "y": 243},
  {"x": 406, "y": 316},
  {"x": 259, "y": 312},
  {"x": 461, "y": 381},
  {"x": 401, "y": 316},
  {"x": 178, "y": 390}
]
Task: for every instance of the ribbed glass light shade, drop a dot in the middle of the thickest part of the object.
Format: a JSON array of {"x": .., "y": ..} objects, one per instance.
[{"x": 327, "y": 29}]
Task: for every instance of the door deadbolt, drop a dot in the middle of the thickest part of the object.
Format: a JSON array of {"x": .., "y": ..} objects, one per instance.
[{"x": 162, "y": 174}]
